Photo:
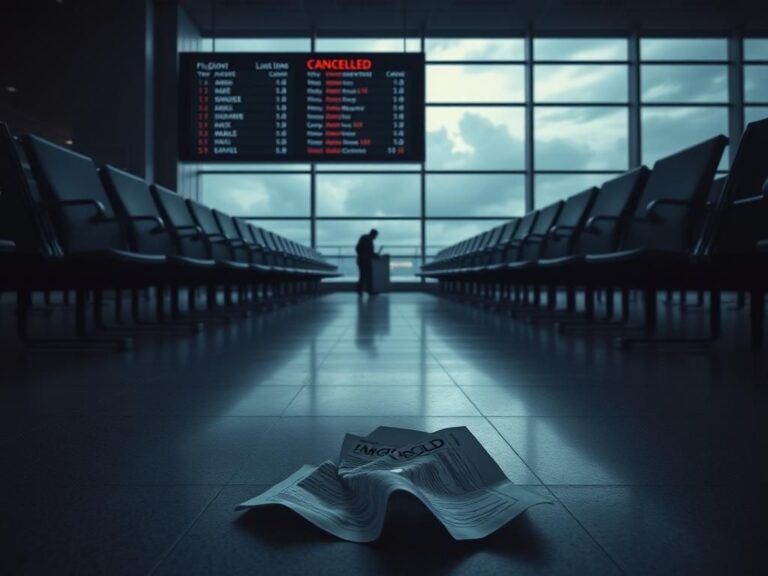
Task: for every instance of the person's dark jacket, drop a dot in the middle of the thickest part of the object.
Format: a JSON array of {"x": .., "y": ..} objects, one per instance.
[{"x": 364, "y": 248}]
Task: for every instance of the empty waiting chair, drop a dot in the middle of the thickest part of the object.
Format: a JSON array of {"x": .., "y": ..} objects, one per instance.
[{"x": 670, "y": 207}]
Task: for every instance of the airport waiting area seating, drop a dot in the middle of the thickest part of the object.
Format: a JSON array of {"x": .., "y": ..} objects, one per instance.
[
  {"x": 675, "y": 228},
  {"x": 69, "y": 225}
]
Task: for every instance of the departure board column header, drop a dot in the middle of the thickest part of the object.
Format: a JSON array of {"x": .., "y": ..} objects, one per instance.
[{"x": 296, "y": 107}]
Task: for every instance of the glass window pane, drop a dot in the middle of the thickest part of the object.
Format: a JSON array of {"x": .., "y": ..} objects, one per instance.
[
  {"x": 753, "y": 113},
  {"x": 475, "y": 83},
  {"x": 402, "y": 267},
  {"x": 367, "y": 45},
  {"x": 550, "y": 188},
  {"x": 555, "y": 83},
  {"x": 684, "y": 83},
  {"x": 756, "y": 83},
  {"x": 580, "y": 49},
  {"x": 257, "y": 194},
  {"x": 395, "y": 236},
  {"x": 756, "y": 49},
  {"x": 257, "y": 45},
  {"x": 444, "y": 233},
  {"x": 669, "y": 130},
  {"x": 491, "y": 195},
  {"x": 474, "y": 49},
  {"x": 581, "y": 138},
  {"x": 296, "y": 230},
  {"x": 401, "y": 239},
  {"x": 683, "y": 49},
  {"x": 368, "y": 194},
  {"x": 475, "y": 138}
]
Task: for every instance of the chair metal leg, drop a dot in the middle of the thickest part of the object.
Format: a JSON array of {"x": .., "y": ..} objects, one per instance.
[
  {"x": 23, "y": 304},
  {"x": 757, "y": 317},
  {"x": 649, "y": 307},
  {"x": 609, "y": 303},
  {"x": 624, "y": 305},
  {"x": 135, "y": 306},
  {"x": 119, "y": 306},
  {"x": 594, "y": 326},
  {"x": 98, "y": 308},
  {"x": 211, "y": 296},
  {"x": 160, "y": 302},
  {"x": 741, "y": 301},
  {"x": 589, "y": 304},
  {"x": 715, "y": 329},
  {"x": 81, "y": 341},
  {"x": 81, "y": 296},
  {"x": 175, "y": 310}
]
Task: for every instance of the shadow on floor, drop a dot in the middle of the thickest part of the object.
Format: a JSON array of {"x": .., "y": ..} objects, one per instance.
[{"x": 412, "y": 539}]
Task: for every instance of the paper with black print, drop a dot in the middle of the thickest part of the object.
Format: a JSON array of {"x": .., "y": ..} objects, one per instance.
[{"x": 448, "y": 470}]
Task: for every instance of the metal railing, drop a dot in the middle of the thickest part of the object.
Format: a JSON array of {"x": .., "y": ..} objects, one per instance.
[{"x": 405, "y": 260}]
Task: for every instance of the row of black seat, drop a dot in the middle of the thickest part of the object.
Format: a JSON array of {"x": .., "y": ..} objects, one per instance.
[
  {"x": 674, "y": 227},
  {"x": 69, "y": 225}
]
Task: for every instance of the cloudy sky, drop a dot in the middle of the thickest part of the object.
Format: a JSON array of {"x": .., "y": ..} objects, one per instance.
[{"x": 486, "y": 133}]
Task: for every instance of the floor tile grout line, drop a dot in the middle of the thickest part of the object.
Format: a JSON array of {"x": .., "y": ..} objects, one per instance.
[
  {"x": 542, "y": 483},
  {"x": 163, "y": 557},
  {"x": 586, "y": 531},
  {"x": 278, "y": 417},
  {"x": 488, "y": 420},
  {"x": 282, "y": 414},
  {"x": 269, "y": 428},
  {"x": 229, "y": 483},
  {"x": 490, "y": 423}
]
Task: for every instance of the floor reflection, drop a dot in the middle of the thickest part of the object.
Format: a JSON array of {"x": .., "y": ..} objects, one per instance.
[{"x": 373, "y": 320}]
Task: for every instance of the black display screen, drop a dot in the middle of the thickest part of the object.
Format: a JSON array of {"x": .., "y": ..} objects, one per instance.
[{"x": 301, "y": 107}]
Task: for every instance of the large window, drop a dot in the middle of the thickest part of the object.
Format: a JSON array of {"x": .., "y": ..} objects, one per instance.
[
  {"x": 756, "y": 79},
  {"x": 258, "y": 194},
  {"x": 684, "y": 94},
  {"x": 580, "y": 90},
  {"x": 497, "y": 146},
  {"x": 562, "y": 140},
  {"x": 476, "y": 137}
]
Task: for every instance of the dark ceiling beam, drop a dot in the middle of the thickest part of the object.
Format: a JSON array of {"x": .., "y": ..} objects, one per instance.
[{"x": 476, "y": 17}]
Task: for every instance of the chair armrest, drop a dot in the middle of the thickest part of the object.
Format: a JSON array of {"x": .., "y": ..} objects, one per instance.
[
  {"x": 750, "y": 200},
  {"x": 216, "y": 235},
  {"x": 533, "y": 238},
  {"x": 159, "y": 221},
  {"x": 7, "y": 245},
  {"x": 562, "y": 230},
  {"x": 600, "y": 218},
  {"x": 100, "y": 208},
  {"x": 194, "y": 229},
  {"x": 651, "y": 206},
  {"x": 762, "y": 245}
]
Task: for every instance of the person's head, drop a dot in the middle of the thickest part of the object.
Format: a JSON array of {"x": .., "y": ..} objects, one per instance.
[{"x": 374, "y": 233}]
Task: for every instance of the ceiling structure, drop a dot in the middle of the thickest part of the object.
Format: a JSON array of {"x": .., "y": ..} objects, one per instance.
[{"x": 462, "y": 17}]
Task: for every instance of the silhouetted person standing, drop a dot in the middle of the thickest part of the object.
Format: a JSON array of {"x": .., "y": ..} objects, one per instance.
[{"x": 365, "y": 256}]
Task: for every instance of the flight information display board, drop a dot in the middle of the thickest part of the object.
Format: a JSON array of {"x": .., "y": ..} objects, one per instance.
[{"x": 300, "y": 107}]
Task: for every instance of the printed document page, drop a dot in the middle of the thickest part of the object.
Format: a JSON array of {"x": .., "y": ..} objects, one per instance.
[{"x": 448, "y": 470}]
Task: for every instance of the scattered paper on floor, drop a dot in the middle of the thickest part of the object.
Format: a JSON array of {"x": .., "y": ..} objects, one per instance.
[{"x": 448, "y": 470}]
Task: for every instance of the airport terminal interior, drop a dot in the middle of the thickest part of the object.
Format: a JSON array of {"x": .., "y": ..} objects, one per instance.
[{"x": 233, "y": 232}]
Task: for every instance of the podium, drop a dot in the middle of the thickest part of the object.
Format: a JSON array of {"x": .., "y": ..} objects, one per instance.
[{"x": 380, "y": 274}]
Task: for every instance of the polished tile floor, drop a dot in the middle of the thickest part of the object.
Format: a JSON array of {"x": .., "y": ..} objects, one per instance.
[{"x": 132, "y": 463}]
